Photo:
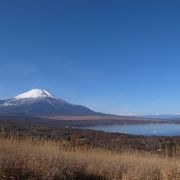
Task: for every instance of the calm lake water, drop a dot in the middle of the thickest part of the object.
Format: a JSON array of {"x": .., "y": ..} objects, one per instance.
[{"x": 141, "y": 129}]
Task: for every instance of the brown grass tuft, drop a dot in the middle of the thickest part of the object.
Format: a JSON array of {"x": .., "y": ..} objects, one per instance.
[{"x": 29, "y": 159}]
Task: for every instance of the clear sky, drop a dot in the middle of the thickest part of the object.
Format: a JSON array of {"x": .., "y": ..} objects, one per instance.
[{"x": 119, "y": 56}]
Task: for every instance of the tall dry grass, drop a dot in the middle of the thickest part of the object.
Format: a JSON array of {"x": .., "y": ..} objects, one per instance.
[{"x": 29, "y": 159}]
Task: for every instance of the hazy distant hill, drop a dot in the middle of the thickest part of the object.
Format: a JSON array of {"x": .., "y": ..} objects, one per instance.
[{"x": 175, "y": 116}]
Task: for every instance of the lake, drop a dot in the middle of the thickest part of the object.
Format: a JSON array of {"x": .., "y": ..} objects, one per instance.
[{"x": 141, "y": 129}]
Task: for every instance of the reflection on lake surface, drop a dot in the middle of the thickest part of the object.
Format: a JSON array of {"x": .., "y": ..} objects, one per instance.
[{"x": 141, "y": 129}]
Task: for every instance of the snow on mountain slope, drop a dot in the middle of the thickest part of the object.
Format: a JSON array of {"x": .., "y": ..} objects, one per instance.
[
  {"x": 34, "y": 93},
  {"x": 39, "y": 102}
]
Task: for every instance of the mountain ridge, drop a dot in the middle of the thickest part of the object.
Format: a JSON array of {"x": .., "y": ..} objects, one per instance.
[{"x": 39, "y": 102}]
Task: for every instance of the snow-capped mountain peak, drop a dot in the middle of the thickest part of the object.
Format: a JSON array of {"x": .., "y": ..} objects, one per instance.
[
  {"x": 35, "y": 93},
  {"x": 39, "y": 102}
]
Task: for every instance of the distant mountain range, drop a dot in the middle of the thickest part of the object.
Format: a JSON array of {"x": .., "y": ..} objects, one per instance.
[
  {"x": 39, "y": 102},
  {"x": 175, "y": 116}
]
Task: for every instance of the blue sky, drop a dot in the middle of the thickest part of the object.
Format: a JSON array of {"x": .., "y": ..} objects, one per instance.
[{"x": 118, "y": 57}]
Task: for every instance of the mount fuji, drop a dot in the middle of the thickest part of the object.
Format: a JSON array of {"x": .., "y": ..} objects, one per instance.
[{"x": 39, "y": 102}]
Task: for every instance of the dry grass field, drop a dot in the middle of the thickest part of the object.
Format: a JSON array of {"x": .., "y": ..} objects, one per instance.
[{"x": 50, "y": 160}]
